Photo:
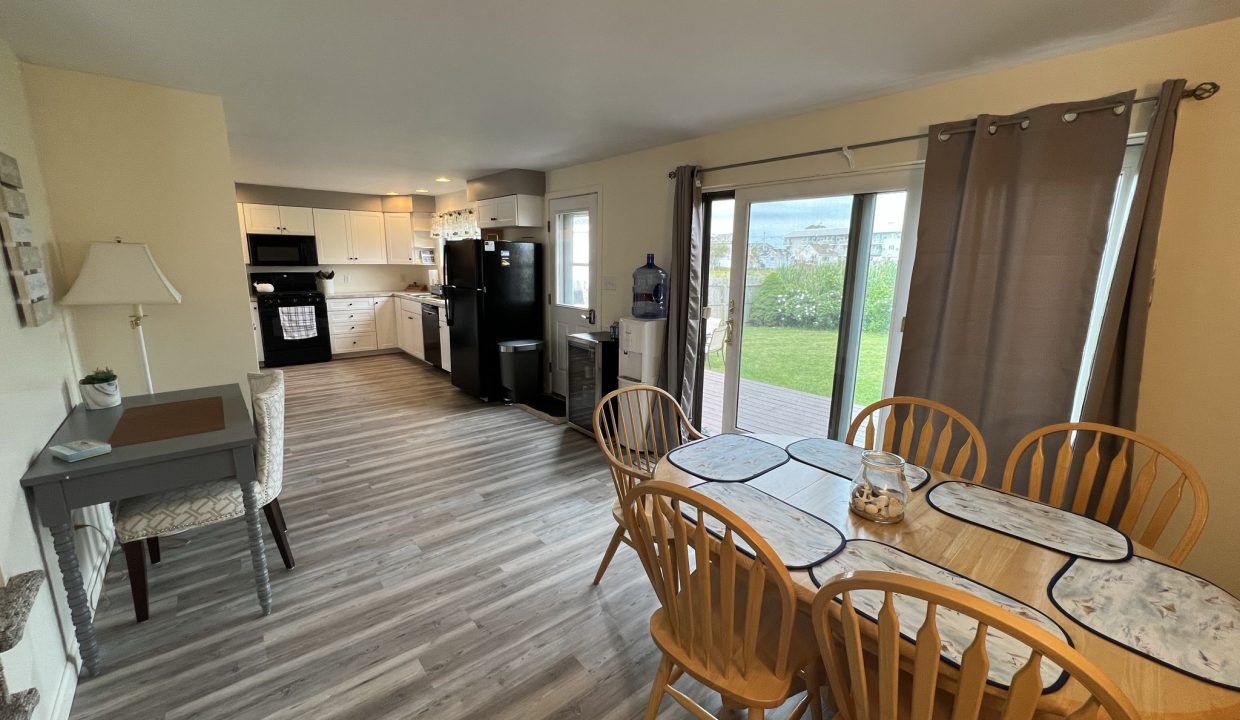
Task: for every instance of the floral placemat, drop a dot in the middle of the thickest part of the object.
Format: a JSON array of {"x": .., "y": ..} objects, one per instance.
[
  {"x": 1170, "y": 616},
  {"x": 956, "y": 631},
  {"x": 727, "y": 457},
  {"x": 844, "y": 460},
  {"x": 1031, "y": 521},
  {"x": 799, "y": 538}
]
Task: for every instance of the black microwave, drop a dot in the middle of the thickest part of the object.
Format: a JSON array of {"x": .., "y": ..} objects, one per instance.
[{"x": 282, "y": 249}]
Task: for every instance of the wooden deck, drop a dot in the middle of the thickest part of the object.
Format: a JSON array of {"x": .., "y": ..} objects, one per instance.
[{"x": 767, "y": 408}]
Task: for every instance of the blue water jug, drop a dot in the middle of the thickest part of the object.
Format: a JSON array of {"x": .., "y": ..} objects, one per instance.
[{"x": 649, "y": 291}]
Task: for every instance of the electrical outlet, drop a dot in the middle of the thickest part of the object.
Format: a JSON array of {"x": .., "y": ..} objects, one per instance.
[
  {"x": 609, "y": 282},
  {"x": 345, "y": 278}
]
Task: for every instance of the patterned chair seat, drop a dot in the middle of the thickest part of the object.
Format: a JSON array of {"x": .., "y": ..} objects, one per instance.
[
  {"x": 175, "y": 511},
  {"x": 149, "y": 517}
]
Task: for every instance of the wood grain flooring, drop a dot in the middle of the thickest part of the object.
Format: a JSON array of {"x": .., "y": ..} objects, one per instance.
[{"x": 445, "y": 550}]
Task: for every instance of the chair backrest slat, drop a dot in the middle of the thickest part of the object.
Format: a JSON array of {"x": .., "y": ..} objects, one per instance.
[
  {"x": 1127, "y": 452},
  {"x": 635, "y": 427},
  {"x": 1063, "y": 467},
  {"x": 1089, "y": 473},
  {"x": 1117, "y": 475},
  {"x": 916, "y": 440},
  {"x": 974, "y": 669},
  {"x": 852, "y": 661},
  {"x": 1025, "y": 690},
  {"x": 717, "y": 599},
  {"x": 888, "y": 658}
]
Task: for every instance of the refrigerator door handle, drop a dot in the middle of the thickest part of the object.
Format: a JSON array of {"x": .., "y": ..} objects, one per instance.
[{"x": 447, "y": 304}]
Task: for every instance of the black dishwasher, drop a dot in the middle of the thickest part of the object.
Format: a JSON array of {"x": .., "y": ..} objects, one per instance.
[{"x": 430, "y": 334}]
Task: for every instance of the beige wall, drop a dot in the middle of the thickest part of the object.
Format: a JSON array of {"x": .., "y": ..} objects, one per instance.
[
  {"x": 151, "y": 165},
  {"x": 37, "y": 387},
  {"x": 1191, "y": 390}
]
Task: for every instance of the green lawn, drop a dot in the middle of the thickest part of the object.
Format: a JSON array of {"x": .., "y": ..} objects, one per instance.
[{"x": 803, "y": 359}]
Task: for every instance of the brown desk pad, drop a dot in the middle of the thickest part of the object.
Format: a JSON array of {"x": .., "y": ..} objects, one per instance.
[{"x": 168, "y": 420}]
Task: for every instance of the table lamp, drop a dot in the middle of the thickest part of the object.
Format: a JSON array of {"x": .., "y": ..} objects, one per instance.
[{"x": 121, "y": 273}]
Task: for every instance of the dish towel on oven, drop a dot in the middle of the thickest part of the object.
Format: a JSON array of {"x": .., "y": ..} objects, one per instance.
[{"x": 297, "y": 322}]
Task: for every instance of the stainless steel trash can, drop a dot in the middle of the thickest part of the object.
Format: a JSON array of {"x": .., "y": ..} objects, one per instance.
[{"x": 520, "y": 369}]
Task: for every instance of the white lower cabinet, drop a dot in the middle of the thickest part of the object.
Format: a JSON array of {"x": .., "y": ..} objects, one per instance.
[
  {"x": 409, "y": 328},
  {"x": 385, "y": 322},
  {"x": 445, "y": 342},
  {"x": 362, "y": 323}
]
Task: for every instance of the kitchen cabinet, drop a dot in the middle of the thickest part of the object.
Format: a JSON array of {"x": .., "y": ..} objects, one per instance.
[
  {"x": 245, "y": 242},
  {"x": 351, "y": 324},
  {"x": 409, "y": 328},
  {"x": 385, "y": 322},
  {"x": 258, "y": 335},
  {"x": 345, "y": 237},
  {"x": 445, "y": 341},
  {"x": 366, "y": 237},
  {"x": 332, "y": 236},
  {"x": 398, "y": 232},
  {"x": 510, "y": 211},
  {"x": 278, "y": 220}
]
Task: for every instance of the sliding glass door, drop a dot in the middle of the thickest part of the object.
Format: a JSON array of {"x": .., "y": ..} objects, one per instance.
[{"x": 806, "y": 333}]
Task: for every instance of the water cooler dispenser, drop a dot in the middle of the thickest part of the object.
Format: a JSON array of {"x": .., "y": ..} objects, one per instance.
[{"x": 641, "y": 358}]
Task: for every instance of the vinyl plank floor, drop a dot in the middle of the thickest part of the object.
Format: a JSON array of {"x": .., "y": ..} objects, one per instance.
[{"x": 445, "y": 549}]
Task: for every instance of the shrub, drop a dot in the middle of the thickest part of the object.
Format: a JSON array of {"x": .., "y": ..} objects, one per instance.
[{"x": 811, "y": 296}]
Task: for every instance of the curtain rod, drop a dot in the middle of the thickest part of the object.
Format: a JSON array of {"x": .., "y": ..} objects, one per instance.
[{"x": 1203, "y": 91}]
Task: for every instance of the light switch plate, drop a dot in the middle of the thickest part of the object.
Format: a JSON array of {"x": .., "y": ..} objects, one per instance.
[{"x": 609, "y": 282}]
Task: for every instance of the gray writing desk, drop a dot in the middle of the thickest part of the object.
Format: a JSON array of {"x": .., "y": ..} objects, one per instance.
[{"x": 139, "y": 469}]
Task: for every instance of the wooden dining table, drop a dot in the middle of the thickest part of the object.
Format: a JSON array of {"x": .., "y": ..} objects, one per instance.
[{"x": 1016, "y": 567}]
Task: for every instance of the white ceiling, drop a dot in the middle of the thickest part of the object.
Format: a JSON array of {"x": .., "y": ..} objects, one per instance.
[{"x": 383, "y": 95}]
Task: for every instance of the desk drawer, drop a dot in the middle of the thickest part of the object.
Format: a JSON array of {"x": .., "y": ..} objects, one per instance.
[{"x": 354, "y": 342}]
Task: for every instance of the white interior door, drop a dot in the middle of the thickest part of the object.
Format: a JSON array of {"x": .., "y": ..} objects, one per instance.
[
  {"x": 815, "y": 301},
  {"x": 574, "y": 287}
]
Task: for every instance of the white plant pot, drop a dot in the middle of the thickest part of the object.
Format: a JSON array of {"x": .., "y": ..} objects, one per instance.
[
  {"x": 101, "y": 395},
  {"x": 327, "y": 287}
]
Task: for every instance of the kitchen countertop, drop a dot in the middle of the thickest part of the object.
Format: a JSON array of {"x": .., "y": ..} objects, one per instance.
[{"x": 422, "y": 297}]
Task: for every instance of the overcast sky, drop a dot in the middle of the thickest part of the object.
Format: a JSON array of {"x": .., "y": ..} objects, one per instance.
[{"x": 770, "y": 221}]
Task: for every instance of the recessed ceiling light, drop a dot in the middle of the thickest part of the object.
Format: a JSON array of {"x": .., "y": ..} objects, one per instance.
[
  {"x": 392, "y": 193},
  {"x": 421, "y": 190},
  {"x": 441, "y": 178}
]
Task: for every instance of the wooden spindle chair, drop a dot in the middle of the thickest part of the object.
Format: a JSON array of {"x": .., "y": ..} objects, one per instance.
[
  {"x": 870, "y": 679},
  {"x": 635, "y": 427},
  {"x": 926, "y": 442},
  {"x": 725, "y": 619},
  {"x": 1138, "y": 470}
]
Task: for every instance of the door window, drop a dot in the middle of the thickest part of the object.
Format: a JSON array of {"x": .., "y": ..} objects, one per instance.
[{"x": 573, "y": 258}]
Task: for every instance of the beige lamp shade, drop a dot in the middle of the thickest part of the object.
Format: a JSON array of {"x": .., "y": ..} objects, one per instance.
[{"x": 120, "y": 273}]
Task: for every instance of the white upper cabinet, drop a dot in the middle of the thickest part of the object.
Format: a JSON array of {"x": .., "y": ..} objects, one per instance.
[
  {"x": 348, "y": 237},
  {"x": 262, "y": 219},
  {"x": 510, "y": 211},
  {"x": 297, "y": 220},
  {"x": 332, "y": 236},
  {"x": 398, "y": 228},
  {"x": 278, "y": 220},
  {"x": 366, "y": 237}
]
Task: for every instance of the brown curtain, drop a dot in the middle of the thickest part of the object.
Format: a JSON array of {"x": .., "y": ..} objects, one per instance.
[
  {"x": 683, "y": 373},
  {"x": 1116, "y": 375},
  {"x": 1013, "y": 223}
]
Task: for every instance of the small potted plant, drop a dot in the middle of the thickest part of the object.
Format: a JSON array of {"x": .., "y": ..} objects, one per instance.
[{"x": 100, "y": 389}]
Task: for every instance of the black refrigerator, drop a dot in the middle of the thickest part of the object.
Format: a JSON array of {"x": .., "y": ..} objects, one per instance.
[{"x": 493, "y": 293}]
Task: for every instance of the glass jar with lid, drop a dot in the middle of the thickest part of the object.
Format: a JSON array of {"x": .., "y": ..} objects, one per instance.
[{"x": 879, "y": 491}]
